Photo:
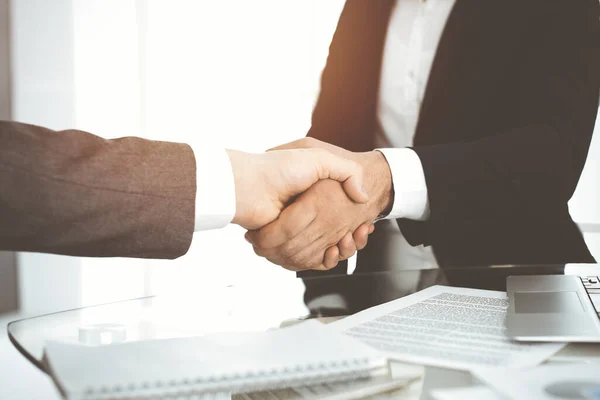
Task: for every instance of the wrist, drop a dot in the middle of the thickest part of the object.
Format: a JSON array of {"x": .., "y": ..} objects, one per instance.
[
  {"x": 238, "y": 159},
  {"x": 254, "y": 199},
  {"x": 378, "y": 181}
]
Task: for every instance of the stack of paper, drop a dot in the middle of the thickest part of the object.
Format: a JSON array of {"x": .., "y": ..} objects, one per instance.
[
  {"x": 465, "y": 329},
  {"x": 447, "y": 327}
]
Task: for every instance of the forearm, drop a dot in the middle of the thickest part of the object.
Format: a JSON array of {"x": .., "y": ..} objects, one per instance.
[
  {"x": 524, "y": 175},
  {"x": 74, "y": 193}
]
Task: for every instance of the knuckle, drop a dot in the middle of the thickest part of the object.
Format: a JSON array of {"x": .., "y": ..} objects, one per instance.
[
  {"x": 299, "y": 261},
  {"x": 289, "y": 230},
  {"x": 287, "y": 250}
]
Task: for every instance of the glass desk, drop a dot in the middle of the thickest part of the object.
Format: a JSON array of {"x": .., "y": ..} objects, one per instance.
[{"x": 256, "y": 307}]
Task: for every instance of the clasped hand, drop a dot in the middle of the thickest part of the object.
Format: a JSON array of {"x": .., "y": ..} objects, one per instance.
[{"x": 322, "y": 204}]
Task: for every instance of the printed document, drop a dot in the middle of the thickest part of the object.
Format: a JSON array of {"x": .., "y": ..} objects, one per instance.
[{"x": 443, "y": 326}]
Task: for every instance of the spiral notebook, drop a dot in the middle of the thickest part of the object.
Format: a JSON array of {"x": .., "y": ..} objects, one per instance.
[{"x": 307, "y": 353}]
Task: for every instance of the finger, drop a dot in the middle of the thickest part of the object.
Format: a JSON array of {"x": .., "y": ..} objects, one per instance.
[
  {"x": 371, "y": 228},
  {"x": 274, "y": 258},
  {"x": 361, "y": 236},
  {"x": 277, "y": 259},
  {"x": 296, "y": 144},
  {"x": 331, "y": 258},
  {"x": 346, "y": 246},
  {"x": 293, "y": 263},
  {"x": 265, "y": 253},
  {"x": 311, "y": 253},
  {"x": 291, "y": 268},
  {"x": 288, "y": 267},
  {"x": 350, "y": 173},
  {"x": 306, "y": 250},
  {"x": 291, "y": 222}
]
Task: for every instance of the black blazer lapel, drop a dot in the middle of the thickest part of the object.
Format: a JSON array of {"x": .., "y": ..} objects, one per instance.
[{"x": 471, "y": 55}]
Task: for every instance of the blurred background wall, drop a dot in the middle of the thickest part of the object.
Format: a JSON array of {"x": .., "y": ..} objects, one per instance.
[
  {"x": 227, "y": 73},
  {"x": 8, "y": 267},
  {"x": 230, "y": 73}
]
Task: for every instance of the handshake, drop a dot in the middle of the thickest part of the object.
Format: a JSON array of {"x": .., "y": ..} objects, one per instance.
[{"x": 309, "y": 204}]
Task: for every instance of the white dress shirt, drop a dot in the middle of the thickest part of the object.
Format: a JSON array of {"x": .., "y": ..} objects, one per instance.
[
  {"x": 414, "y": 31},
  {"x": 215, "y": 188}
]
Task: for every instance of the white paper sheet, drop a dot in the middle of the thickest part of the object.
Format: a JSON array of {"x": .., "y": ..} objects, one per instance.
[
  {"x": 547, "y": 382},
  {"x": 445, "y": 326},
  {"x": 468, "y": 393}
]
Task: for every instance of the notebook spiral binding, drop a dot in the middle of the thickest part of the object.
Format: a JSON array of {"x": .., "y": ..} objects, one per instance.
[{"x": 264, "y": 379}]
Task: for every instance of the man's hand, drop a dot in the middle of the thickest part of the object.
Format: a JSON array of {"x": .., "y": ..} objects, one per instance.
[
  {"x": 316, "y": 231},
  {"x": 265, "y": 183}
]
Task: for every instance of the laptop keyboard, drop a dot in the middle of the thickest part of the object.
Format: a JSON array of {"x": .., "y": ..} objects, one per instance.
[{"x": 592, "y": 286}]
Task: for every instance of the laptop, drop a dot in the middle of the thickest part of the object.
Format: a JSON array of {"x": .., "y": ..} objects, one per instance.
[{"x": 553, "y": 308}]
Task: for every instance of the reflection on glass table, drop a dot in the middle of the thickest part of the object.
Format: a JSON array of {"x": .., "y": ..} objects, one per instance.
[{"x": 252, "y": 307}]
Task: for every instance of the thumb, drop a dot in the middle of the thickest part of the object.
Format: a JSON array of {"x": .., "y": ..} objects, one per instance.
[
  {"x": 296, "y": 144},
  {"x": 342, "y": 170},
  {"x": 307, "y": 143}
]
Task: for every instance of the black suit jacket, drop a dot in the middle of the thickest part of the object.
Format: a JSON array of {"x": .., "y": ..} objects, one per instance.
[
  {"x": 504, "y": 127},
  {"x": 74, "y": 193}
]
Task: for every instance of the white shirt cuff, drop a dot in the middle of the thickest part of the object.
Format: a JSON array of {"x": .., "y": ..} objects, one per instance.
[
  {"x": 215, "y": 189},
  {"x": 410, "y": 188}
]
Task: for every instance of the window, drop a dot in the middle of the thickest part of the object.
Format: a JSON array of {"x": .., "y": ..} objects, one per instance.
[{"x": 238, "y": 74}]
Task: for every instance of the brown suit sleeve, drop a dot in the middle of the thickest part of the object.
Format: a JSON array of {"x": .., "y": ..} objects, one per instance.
[{"x": 74, "y": 193}]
